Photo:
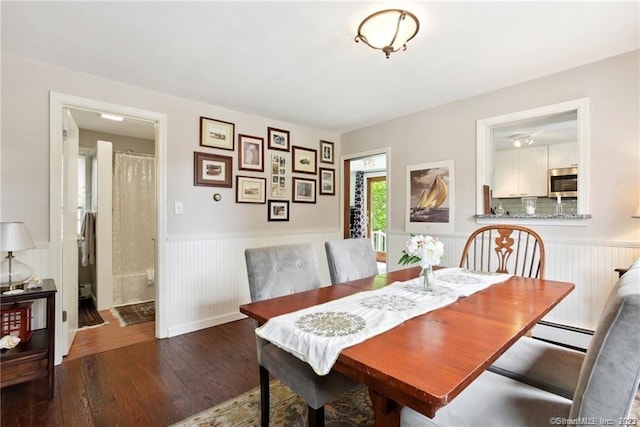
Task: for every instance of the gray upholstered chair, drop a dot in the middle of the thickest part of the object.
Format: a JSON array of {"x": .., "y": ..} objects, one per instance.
[
  {"x": 350, "y": 259},
  {"x": 605, "y": 390},
  {"x": 281, "y": 270},
  {"x": 542, "y": 364}
]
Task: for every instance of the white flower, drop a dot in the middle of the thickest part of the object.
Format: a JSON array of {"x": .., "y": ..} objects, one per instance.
[{"x": 426, "y": 250}]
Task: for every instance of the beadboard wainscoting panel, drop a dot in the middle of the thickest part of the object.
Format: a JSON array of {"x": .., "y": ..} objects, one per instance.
[
  {"x": 207, "y": 278},
  {"x": 38, "y": 260},
  {"x": 589, "y": 265}
]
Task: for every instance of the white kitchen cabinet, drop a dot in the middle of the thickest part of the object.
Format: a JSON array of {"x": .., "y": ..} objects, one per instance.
[
  {"x": 563, "y": 155},
  {"x": 521, "y": 172}
]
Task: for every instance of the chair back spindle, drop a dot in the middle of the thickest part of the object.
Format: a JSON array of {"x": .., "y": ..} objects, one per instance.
[{"x": 505, "y": 249}]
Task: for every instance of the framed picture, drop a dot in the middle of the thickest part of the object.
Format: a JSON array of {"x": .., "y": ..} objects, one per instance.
[
  {"x": 211, "y": 170},
  {"x": 251, "y": 153},
  {"x": 278, "y": 175},
  {"x": 326, "y": 152},
  {"x": 278, "y": 210},
  {"x": 278, "y": 139},
  {"x": 327, "y": 181},
  {"x": 217, "y": 134},
  {"x": 304, "y": 160},
  {"x": 430, "y": 198},
  {"x": 304, "y": 190},
  {"x": 250, "y": 189}
]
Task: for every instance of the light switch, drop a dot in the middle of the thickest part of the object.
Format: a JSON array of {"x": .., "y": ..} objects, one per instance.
[{"x": 178, "y": 208}]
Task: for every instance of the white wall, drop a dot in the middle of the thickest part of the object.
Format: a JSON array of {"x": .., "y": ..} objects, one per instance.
[
  {"x": 448, "y": 132},
  {"x": 584, "y": 255},
  {"x": 25, "y": 148},
  {"x": 206, "y": 277}
]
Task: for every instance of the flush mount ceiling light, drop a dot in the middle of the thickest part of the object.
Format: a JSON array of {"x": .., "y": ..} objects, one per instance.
[
  {"x": 388, "y": 30},
  {"x": 521, "y": 140}
]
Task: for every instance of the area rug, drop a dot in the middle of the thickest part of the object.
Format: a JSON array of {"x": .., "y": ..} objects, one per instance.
[
  {"x": 287, "y": 410},
  {"x": 88, "y": 315},
  {"x": 132, "y": 314}
]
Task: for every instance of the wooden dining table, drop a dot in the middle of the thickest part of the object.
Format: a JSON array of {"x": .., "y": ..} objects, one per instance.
[{"x": 425, "y": 362}]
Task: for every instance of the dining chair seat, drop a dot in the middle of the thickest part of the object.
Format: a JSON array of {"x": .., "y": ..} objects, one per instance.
[
  {"x": 494, "y": 400},
  {"x": 275, "y": 271},
  {"x": 605, "y": 390},
  {"x": 541, "y": 364},
  {"x": 350, "y": 259},
  {"x": 544, "y": 365}
]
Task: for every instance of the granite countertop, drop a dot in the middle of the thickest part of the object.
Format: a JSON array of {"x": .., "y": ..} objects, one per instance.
[{"x": 537, "y": 216}]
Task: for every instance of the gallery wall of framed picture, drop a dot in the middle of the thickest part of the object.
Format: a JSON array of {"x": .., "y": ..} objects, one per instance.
[{"x": 266, "y": 176}]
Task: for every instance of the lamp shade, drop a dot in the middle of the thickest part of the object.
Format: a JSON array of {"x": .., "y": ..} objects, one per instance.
[
  {"x": 14, "y": 236},
  {"x": 637, "y": 214},
  {"x": 388, "y": 30}
]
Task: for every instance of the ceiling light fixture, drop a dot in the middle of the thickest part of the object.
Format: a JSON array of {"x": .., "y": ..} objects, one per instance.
[
  {"x": 111, "y": 117},
  {"x": 388, "y": 30},
  {"x": 521, "y": 140}
]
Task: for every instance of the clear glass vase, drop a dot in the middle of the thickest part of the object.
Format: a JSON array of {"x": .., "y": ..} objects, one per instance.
[{"x": 427, "y": 275}]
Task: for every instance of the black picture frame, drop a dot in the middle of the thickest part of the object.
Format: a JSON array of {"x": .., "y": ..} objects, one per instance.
[
  {"x": 278, "y": 210},
  {"x": 327, "y": 152},
  {"x": 278, "y": 139},
  {"x": 327, "y": 181},
  {"x": 304, "y": 190}
]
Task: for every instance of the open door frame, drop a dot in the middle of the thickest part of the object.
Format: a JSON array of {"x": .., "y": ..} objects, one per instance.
[
  {"x": 345, "y": 176},
  {"x": 57, "y": 103}
]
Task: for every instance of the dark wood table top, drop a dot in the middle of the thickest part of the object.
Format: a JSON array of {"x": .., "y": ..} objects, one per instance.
[{"x": 427, "y": 361}]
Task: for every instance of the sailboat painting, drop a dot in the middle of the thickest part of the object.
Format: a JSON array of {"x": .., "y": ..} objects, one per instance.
[{"x": 429, "y": 195}]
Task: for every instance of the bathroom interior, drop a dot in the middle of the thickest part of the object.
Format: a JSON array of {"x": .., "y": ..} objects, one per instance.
[{"x": 132, "y": 219}]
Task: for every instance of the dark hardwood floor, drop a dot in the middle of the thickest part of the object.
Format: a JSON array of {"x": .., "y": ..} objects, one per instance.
[{"x": 152, "y": 383}]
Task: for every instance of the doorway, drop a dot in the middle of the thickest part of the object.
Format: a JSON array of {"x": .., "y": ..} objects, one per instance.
[
  {"x": 60, "y": 245},
  {"x": 116, "y": 221},
  {"x": 365, "y": 201}
]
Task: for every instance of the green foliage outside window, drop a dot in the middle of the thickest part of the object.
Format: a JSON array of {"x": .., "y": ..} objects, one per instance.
[{"x": 379, "y": 205}]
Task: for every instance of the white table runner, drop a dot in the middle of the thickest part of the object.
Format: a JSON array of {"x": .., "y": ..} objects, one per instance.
[{"x": 318, "y": 334}]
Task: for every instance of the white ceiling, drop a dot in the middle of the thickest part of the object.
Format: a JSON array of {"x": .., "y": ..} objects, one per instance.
[{"x": 298, "y": 62}]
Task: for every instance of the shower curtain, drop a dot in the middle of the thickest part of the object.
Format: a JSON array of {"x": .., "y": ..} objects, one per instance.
[{"x": 134, "y": 228}]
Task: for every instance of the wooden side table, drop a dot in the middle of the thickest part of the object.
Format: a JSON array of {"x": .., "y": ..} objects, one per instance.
[{"x": 35, "y": 358}]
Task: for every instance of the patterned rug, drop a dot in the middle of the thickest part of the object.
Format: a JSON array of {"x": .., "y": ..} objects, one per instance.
[
  {"x": 287, "y": 410},
  {"x": 88, "y": 315},
  {"x": 132, "y": 314}
]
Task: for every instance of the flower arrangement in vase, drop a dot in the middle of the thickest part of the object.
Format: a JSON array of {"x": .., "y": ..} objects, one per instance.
[{"x": 427, "y": 251}]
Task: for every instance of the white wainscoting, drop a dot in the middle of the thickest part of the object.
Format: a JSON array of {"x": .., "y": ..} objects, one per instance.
[
  {"x": 207, "y": 279},
  {"x": 589, "y": 265}
]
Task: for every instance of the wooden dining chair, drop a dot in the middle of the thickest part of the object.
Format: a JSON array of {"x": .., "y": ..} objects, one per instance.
[
  {"x": 509, "y": 249},
  {"x": 350, "y": 259},
  {"x": 605, "y": 390},
  {"x": 281, "y": 270}
]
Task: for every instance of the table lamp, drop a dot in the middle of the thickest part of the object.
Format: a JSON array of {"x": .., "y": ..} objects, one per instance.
[{"x": 14, "y": 236}]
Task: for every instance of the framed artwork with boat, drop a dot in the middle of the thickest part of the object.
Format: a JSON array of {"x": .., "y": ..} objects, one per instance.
[{"x": 430, "y": 198}]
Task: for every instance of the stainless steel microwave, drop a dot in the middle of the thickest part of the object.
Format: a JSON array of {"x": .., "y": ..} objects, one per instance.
[{"x": 563, "y": 182}]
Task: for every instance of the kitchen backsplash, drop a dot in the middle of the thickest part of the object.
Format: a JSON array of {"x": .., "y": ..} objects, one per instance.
[{"x": 544, "y": 205}]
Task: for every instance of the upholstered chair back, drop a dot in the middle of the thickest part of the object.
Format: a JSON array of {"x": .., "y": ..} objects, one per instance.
[
  {"x": 610, "y": 373},
  {"x": 274, "y": 271},
  {"x": 350, "y": 259}
]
